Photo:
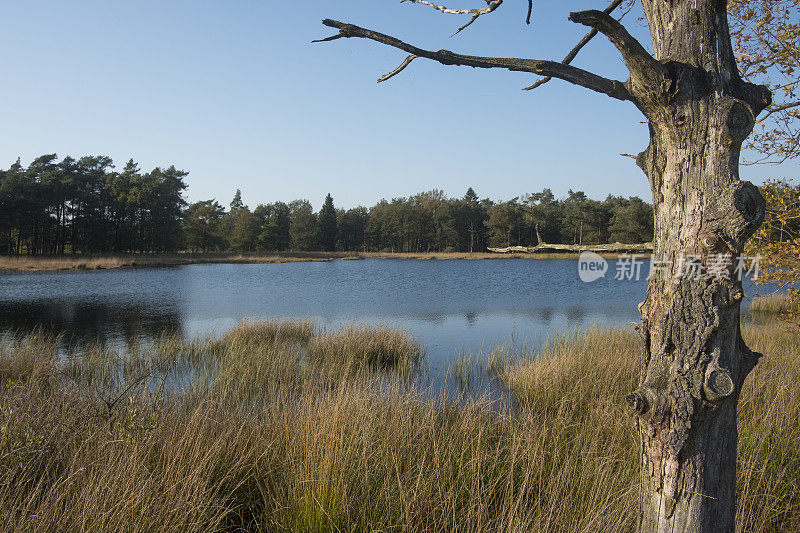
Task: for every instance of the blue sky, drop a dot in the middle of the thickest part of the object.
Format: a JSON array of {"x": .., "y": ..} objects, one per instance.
[{"x": 235, "y": 92}]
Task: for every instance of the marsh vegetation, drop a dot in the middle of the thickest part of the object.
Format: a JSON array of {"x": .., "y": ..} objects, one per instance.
[{"x": 284, "y": 426}]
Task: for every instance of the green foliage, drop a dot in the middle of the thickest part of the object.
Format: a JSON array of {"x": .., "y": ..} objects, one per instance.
[
  {"x": 541, "y": 218},
  {"x": 275, "y": 220},
  {"x": 352, "y": 228},
  {"x": 236, "y": 203},
  {"x": 766, "y": 41},
  {"x": 575, "y": 217},
  {"x": 777, "y": 242},
  {"x": 202, "y": 224},
  {"x": 631, "y": 220},
  {"x": 545, "y": 215},
  {"x": 81, "y": 206},
  {"x": 245, "y": 229},
  {"x": 469, "y": 217},
  {"x": 327, "y": 225},
  {"x": 506, "y": 224},
  {"x": 304, "y": 228}
]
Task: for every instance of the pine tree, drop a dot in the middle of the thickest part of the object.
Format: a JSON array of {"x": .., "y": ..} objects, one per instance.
[
  {"x": 327, "y": 225},
  {"x": 236, "y": 203}
]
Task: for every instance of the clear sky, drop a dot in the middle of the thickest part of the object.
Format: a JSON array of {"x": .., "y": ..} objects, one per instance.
[{"x": 234, "y": 92}]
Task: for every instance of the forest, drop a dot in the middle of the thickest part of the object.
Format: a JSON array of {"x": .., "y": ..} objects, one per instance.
[
  {"x": 83, "y": 207},
  {"x": 86, "y": 206}
]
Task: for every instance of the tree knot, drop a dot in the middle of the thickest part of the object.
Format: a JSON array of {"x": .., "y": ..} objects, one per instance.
[
  {"x": 736, "y": 212},
  {"x": 638, "y": 402},
  {"x": 739, "y": 121},
  {"x": 718, "y": 384},
  {"x": 648, "y": 403}
]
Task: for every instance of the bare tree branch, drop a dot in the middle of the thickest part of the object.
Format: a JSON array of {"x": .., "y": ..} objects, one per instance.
[
  {"x": 777, "y": 108},
  {"x": 645, "y": 69},
  {"x": 399, "y": 69},
  {"x": 578, "y": 47},
  {"x": 327, "y": 39},
  {"x": 491, "y": 6},
  {"x": 613, "y": 88}
]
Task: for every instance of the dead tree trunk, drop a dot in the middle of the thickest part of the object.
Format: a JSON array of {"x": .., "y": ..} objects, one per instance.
[{"x": 694, "y": 361}]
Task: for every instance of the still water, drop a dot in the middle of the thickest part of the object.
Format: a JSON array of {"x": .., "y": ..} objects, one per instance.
[{"x": 451, "y": 307}]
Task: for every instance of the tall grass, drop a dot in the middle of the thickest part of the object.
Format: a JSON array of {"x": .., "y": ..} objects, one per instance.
[
  {"x": 769, "y": 440},
  {"x": 251, "y": 335},
  {"x": 772, "y": 304},
  {"x": 254, "y": 442},
  {"x": 354, "y": 348}
]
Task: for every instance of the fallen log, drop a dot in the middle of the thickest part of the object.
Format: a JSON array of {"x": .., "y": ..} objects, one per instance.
[{"x": 616, "y": 247}]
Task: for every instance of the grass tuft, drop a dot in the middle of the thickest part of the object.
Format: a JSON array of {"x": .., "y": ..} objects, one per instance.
[
  {"x": 265, "y": 333},
  {"x": 356, "y": 347}
]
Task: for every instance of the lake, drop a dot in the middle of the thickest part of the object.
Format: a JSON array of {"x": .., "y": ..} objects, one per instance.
[{"x": 451, "y": 307}]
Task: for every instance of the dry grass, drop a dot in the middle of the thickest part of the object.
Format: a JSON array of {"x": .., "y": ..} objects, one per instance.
[
  {"x": 773, "y": 304},
  {"x": 769, "y": 441},
  {"x": 582, "y": 379},
  {"x": 353, "y": 348},
  {"x": 79, "y": 262},
  {"x": 249, "y": 334},
  {"x": 253, "y": 442}
]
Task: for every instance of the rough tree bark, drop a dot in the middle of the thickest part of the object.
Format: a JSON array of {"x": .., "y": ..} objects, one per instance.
[{"x": 694, "y": 360}]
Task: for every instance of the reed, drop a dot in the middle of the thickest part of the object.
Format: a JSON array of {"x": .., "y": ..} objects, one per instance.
[
  {"x": 254, "y": 443},
  {"x": 249, "y": 334},
  {"x": 354, "y": 348},
  {"x": 773, "y": 304}
]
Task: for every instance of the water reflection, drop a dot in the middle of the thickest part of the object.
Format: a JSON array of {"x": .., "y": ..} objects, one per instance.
[
  {"x": 433, "y": 318},
  {"x": 545, "y": 315},
  {"x": 87, "y": 323},
  {"x": 471, "y": 317},
  {"x": 511, "y": 302},
  {"x": 575, "y": 315}
]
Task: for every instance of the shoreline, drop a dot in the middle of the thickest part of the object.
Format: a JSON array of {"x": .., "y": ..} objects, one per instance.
[{"x": 108, "y": 262}]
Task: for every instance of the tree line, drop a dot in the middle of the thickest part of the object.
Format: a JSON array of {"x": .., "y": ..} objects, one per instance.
[
  {"x": 425, "y": 222},
  {"x": 86, "y": 206},
  {"x": 82, "y": 206}
]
